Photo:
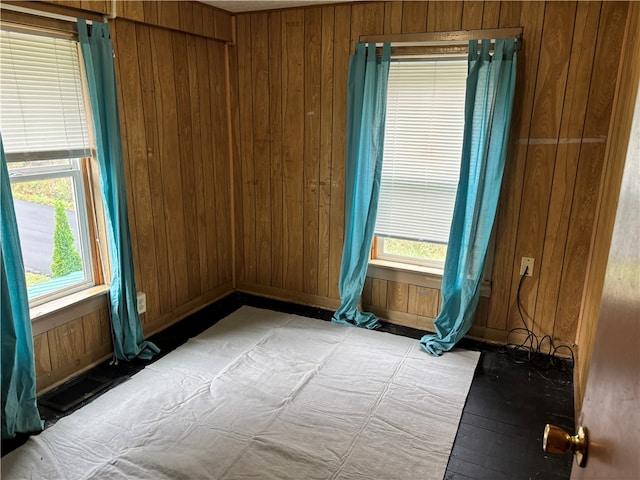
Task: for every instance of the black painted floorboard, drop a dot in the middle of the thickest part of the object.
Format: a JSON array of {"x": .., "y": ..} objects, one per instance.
[{"x": 500, "y": 433}]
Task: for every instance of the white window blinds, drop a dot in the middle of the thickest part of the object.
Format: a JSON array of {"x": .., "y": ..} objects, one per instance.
[
  {"x": 422, "y": 149},
  {"x": 42, "y": 114}
]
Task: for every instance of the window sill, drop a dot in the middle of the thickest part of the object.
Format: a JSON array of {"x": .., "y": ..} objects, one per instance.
[
  {"x": 62, "y": 310},
  {"x": 419, "y": 275}
]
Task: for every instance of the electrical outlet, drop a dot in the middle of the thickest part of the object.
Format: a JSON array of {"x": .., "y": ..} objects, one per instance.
[
  {"x": 527, "y": 265},
  {"x": 142, "y": 302}
]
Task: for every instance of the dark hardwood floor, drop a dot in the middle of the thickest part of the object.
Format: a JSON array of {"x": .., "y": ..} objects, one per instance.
[{"x": 500, "y": 433}]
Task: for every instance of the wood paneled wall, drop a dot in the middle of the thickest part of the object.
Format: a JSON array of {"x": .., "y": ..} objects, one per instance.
[
  {"x": 172, "y": 99},
  {"x": 74, "y": 340},
  {"x": 186, "y": 16},
  {"x": 289, "y": 80},
  {"x": 617, "y": 153},
  {"x": 172, "y": 95}
]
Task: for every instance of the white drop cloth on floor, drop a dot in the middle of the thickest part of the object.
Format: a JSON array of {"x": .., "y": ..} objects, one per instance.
[{"x": 266, "y": 395}]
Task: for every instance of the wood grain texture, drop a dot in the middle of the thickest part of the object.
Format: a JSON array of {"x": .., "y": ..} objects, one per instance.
[
  {"x": 275, "y": 143},
  {"x": 445, "y": 15},
  {"x": 41, "y": 354},
  {"x": 342, "y": 29},
  {"x": 542, "y": 182},
  {"x": 261, "y": 143},
  {"x": 247, "y": 173},
  {"x": 289, "y": 166},
  {"x": 293, "y": 62},
  {"x": 172, "y": 102},
  {"x": 616, "y": 156},
  {"x": 589, "y": 173},
  {"x": 378, "y": 292},
  {"x": 414, "y": 16},
  {"x": 326, "y": 128},
  {"x": 311, "y": 174},
  {"x": 566, "y": 161},
  {"x": 423, "y": 301},
  {"x": 398, "y": 296},
  {"x": 66, "y": 344},
  {"x": 532, "y": 17},
  {"x": 472, "y": 15}
]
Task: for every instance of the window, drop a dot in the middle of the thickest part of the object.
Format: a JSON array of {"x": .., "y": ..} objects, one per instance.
[
  {"x": 45, "y": 132},
  {"x": 422, "y": 151}
]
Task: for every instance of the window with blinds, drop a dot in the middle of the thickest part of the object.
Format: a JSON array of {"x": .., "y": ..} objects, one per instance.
[
  {"x": 422, "y": 151},
  {"x": 45, "y": 133},
  {"x": 43, "y": 114}
]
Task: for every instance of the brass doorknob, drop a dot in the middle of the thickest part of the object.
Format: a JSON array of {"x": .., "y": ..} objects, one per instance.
[{"x": 556, "y": 440}]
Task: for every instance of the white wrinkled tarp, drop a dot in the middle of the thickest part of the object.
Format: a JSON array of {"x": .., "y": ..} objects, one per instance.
[{"x": 266, "y": 395}]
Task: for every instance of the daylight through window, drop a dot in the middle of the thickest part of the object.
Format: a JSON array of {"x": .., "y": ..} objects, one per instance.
[
  {"x": 43, "y": 121},
  {"x": 422, "y": 151}
]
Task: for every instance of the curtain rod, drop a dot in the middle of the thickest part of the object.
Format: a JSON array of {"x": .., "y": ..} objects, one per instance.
[{"x": 445, "y": 38}]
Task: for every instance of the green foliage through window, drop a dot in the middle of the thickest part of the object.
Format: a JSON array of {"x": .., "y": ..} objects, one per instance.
[{"x": 66, "y": 258}]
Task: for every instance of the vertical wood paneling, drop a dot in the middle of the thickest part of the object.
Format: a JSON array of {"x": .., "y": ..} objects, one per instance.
[
  {"x": 66, "y": 343},
  {"x": 200, "y": 120},
  {"x": 173, "y": 118},
  {"x": 275, "y": 125},
  {"x": 618, "y": 153},
  {"x": 293, "y": 148},
  {"x": 197, "y": 9},
  {"x": 340, "y": 62},
  {"x": 186, "y": 16},
  {"x": 151, "y": 12},
  {"x": 125, "y": 132},
  {"x": 261, "y": 144},
  {"x": 166, "y": 295},
  {"x": 566, "y": 162},
  {"x": 185, "y": 136},
  {"x": 41, "y": 354},
  {"x": 392, "y": 17},
  {"x": 491, "y": 14},
  {"x": 423, "y": 301},
  {"x": 414, "y": 17},
  {"x": 100, "y": 6},
  {"x": 379, "y": 289},
  {"x": 208, "y": 21},
  {"x": 207, "y": 227},
  {"x": 510, "y": 14},
  {"x": 588, "y": 177},
  {"x": 164, "y": 73},
  {"x": 542, "y": 181},
  {"x": 508, "y": 213},
  {"x": 236, "y": 152},
  {"x": 248, "y": 272},
  {"x": 168, "y": 14},
  {"x": 367, "y": 18},
  {"x": 472, "y": 14},
  {"x": 94, "y": 332},
  {"x": 313, "y": 51},
  {"x": 174, "y": 114},
  {"x": 131, "y": 10},
  {"x": 398, "y": 296},
  {"x": 326, "y": 127},
  {"x": 445, "y": 15},
  {"x": 220, "y": 159}
]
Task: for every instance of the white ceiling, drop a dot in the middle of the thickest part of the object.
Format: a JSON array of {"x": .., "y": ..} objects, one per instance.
[{"x": 238, "y": 6}]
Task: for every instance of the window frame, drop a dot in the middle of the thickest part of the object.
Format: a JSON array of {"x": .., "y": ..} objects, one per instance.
[
  {"x": 73, "y": 171},
  {"x": 89, "y": 211},
  {"x": 434, "y": 267}
]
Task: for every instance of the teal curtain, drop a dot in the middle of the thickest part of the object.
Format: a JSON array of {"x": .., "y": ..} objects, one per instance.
[
  {"x": 97, "y": 52},
  {"x": 19, "y": 407},
  {"x": 488, "y": 105},
  {"x": 366, "y": 108}
]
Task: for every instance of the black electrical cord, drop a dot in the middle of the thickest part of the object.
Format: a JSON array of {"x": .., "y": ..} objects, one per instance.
[{"x": 532, "y": 348}]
